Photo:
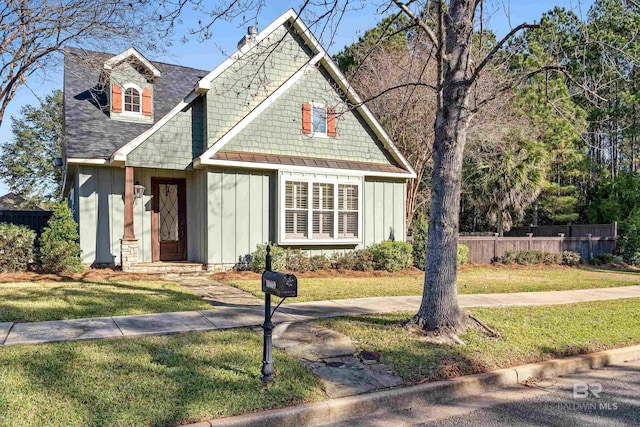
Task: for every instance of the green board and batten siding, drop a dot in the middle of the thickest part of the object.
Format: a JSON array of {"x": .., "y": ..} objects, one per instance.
[
  {"x": 101, "y": 211},
  {"x": 384, "y": 210},
  {"x": 238, "y": 213}
]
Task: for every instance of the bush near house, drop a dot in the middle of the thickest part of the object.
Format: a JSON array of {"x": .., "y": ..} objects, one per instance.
[
  {"x": 16, "y": 247},
  {"x": 259, "y": 256},
  {"x": 392, "y": 256},
  {"x": 59, "y": 247}
]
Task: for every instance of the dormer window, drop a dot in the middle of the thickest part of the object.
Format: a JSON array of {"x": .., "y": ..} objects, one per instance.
[
  {"x": 132, "y": 79},
  {"x": 132, "y": 100}
]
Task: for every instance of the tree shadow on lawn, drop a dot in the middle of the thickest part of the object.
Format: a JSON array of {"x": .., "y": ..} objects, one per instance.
[
  {"x": 147, "y": 381},
  {"x": 27, "y": 302}
]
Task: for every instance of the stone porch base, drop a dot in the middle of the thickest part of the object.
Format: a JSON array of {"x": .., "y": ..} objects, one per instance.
[{"x": 168, "y": 267}]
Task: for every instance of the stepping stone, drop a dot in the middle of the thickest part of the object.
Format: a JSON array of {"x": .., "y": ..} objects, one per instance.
[
  {"x": 163, "y": 323},
  {"x": 340, "y": 382},
  {"x": 4, "y": 331},
  {"x": 63, "y": 330},
  {"x": 330, "y": 356},
  {"x": 311, "y": 341}
]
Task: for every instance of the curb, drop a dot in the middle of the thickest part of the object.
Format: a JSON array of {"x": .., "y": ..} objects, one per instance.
[{"x": 335, "y": 410}]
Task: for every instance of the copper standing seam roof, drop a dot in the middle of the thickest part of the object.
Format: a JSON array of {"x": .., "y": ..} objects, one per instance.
[{"x": 305, "y": 161}]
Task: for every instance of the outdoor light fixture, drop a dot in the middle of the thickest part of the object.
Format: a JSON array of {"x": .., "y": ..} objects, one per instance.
[{"x": 138, "y": 191}]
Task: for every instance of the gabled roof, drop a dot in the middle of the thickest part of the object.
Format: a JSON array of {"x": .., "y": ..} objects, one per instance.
[
  {"x": 14, "y": 202},
  {"x": 320, "y": 57},
  {"x": 131, "y": 53},
  {"x": 89, "y": 133}
]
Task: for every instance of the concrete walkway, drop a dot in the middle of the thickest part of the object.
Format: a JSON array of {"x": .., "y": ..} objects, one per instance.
[{"x": 252, "y": 315}]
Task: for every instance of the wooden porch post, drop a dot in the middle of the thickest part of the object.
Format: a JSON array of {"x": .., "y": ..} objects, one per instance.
[{"x": 128, "y": 204}]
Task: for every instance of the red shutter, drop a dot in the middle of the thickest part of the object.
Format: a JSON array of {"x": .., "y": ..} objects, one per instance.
[
  {"x": 331, "y": 121},
  {"x": 146, "y": 102},
  {"x": 116, "y": 98},
  {"x": 306, "y": 118}
]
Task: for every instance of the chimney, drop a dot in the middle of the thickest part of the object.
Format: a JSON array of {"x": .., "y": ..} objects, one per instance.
[{"x": 250, "y": 38}]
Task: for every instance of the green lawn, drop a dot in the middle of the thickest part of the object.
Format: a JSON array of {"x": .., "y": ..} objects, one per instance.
[
  {"x": 528, "y": 334},
  {"x": 155, "y": 381},
  {"x": 38, "y": 301},
  {"x": 470, "y": 281},
  {"x": 170, "y": 380}
]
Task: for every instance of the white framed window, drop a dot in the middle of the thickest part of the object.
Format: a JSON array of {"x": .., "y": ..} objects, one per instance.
[
  {"x": 348, "y": 212},
  {"x": 296, "y": 208},
  {"x": 132, "y": 99},
  {"x": 320, "y": 211},
  {"x": 319, "y": 119}
]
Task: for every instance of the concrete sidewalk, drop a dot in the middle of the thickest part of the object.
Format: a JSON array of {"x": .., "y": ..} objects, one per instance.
[{"x": 253, "y": 315}]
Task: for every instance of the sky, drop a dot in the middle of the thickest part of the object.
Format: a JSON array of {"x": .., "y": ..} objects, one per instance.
[{"x": 504, "y": 14}]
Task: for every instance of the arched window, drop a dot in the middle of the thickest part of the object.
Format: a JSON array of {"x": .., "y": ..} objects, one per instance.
[{"x": 132, "y": 100}]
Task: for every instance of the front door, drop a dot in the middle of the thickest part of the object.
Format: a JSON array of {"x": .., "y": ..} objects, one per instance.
[{"x": 168, "y": 220}]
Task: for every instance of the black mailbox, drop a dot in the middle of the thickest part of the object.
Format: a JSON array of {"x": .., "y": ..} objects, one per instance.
[{"x": 279, "y": 284}]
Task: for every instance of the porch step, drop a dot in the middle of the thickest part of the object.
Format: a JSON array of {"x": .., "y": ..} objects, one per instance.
[{"x": 170, "y": 268}]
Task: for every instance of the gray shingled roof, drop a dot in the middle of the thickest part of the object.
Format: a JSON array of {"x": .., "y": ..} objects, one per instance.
[{"x": 88, "y": 130}]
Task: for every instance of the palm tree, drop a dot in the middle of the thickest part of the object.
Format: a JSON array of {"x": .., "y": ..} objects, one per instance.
[{"x": 503, "y": 177}]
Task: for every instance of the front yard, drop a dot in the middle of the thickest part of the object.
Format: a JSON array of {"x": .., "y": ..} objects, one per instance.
[
  {"x": 48, "y": 300},
  {"x": 176, "y": 379},
  {"x": 475, "y": 280}
]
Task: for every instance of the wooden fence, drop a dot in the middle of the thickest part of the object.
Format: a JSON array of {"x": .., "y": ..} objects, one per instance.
[
  {"x": 35, "y": 220},
  {"x": 485, "y": 249},
  {"x": 575, "y": 230}
]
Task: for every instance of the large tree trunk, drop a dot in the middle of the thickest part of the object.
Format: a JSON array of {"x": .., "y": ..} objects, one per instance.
[{"x": 439, "y": 310}]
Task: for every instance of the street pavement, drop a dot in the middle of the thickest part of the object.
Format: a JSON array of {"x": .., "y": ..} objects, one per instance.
[{"x": 608, "y": 396}]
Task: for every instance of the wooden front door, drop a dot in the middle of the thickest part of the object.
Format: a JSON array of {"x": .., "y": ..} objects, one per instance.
[{"x": 168, "y": 219}]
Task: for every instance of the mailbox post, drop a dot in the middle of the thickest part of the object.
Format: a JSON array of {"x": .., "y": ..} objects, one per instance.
[{"x": 283, "y": 286}]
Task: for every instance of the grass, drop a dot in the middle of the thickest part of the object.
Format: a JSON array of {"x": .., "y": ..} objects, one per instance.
[
  {"x": 528, "y": 334},
  {"x": 39, "y": 301},
  {"x": 176, "y": 379},
  {"x": 154, "y": 381},
  {"x": 470, "y": 281}
]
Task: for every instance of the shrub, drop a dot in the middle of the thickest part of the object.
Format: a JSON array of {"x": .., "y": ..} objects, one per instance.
[
  {"x": 363, "y": 260},
  {"x": 298, "y": 261},
  {"x": 602, "y": 259},
  {"x": 420, "y": 235},
  {"x": 532, "y": 257},
  {"x": 570, "y": 258},
  {"x": 59, "y": 247},
  {"x": 630, "y": 242},
  {"x": 346, "y": 261},
  {"x": 278, "y": 258},
  {"x": 463, "y": 254},
  {"x": 16, "y": 247},
  {"x": 392, "y": 256},
  {"x": 319, "y": 262}
]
